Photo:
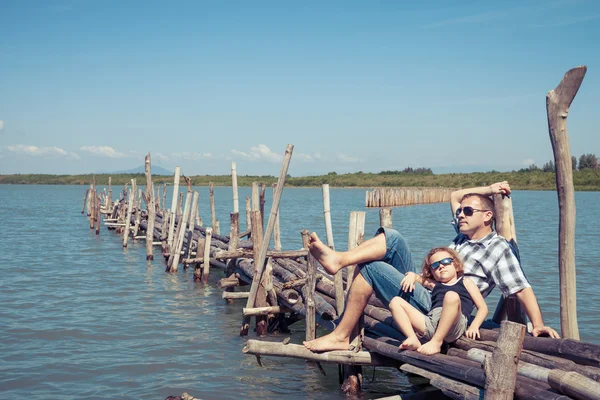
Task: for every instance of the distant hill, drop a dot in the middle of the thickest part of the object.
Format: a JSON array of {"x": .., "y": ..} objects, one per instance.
[{"x": 156, "y": 170}]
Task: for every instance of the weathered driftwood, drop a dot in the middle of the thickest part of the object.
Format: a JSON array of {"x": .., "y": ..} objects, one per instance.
[
  {"x": 261, "y": 348},
  {"x": 450, "y": 387},
  {"x": 248, "y": 312},
  {"x": 149, "y": 199},
  {"x": 267, "y": 237},
  {"x": 229, "y": 282},
  {"x": 339, "y": 294},
  {"x": 309, "y": 296},
  {"x": 580, "y": 352},
  {"x": 243, "y": 253},
  {"x": 501, "y": 367},
  {"x": 173, "y": 263},
  {"x": 234, "y": 186},
  {"x": 532, "y": 357},
  {"x": 235, "y": 295},
  {"x": 300, "y": 282},
  {"x": 206, "y": 266},
  {"x": 173, "y": 207},
  {"x": 385, "y": 217},
  {"x": 276, "y": 230},
  {"x": 558, "y": 102},
  {"x": 130, "y": 200},
  {"x": 574, "y": 385}
]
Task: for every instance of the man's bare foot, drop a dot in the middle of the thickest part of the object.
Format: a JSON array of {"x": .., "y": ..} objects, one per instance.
[
  {"x": 327, "y": 343},
  {"x": 329, "y": 259},
  {"x": 411, "y": 343},
  {"x": 430, "y": 348}
]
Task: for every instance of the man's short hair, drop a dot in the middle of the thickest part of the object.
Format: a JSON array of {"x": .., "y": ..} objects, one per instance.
[{"x": 486, "y": 201}]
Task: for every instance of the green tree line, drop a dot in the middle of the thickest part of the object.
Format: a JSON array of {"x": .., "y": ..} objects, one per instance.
[{"x": 527, "y": 179}]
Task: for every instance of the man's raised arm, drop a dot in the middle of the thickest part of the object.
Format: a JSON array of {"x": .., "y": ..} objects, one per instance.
[{"x": 456, "y": 196}]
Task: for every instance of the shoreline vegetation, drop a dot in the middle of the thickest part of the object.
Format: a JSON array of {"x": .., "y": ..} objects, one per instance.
[{"x": 583, "y": 180}]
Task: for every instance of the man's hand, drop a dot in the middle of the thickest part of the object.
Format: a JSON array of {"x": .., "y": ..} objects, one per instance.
[
  {"x": 409, "y": 282},
  {"x": 500, "y": 187},
  {"x": 545, "y": 331}
]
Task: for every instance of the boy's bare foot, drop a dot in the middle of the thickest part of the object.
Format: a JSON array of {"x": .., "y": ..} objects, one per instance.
[
  {"x": 430, "y": 348},
  {"x": 329, "y": 259},
  {"x": 411, "y": 343},
  {"x": 327, "y": 343}
]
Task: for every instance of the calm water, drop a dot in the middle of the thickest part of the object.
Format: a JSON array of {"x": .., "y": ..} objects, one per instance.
[{"x": 82, "y": 317}]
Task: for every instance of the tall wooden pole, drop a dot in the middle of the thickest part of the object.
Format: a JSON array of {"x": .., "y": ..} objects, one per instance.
[
  {"x": 558, "y": 102},
  {"x": 338, "y": 278},
  {"x": 234, "y": 186},
  {"x": 258, "y": 269},
  {"x": 173, "y": 207},
  {"x": 150, "y": 209},
  {"x": 213, "y": 214},
  {"x": 276, "y": 231},
  {"x": 181, "y": 230},
  {"x": 130, "y": 200},
  {"x": 206, "y": 266}
]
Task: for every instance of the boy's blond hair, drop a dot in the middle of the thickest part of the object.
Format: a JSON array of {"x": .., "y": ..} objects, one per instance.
[{"x": 458, "y": 264}]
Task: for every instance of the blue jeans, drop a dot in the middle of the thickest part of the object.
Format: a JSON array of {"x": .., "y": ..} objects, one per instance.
[{"x": 385, "y": 275}]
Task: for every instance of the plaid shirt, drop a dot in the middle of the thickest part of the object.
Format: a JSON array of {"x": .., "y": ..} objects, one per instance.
[{"x": 489, "y": 261}]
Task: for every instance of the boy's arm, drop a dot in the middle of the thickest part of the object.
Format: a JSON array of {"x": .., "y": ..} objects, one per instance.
[
  {"x": 482, "y": 309},
  {"x": 408, "y": 282},
  {"x": 499, "y": 187}
]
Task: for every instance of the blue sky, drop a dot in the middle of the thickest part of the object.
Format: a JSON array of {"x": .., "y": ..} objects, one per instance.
[{"x": 91, "y": 86}]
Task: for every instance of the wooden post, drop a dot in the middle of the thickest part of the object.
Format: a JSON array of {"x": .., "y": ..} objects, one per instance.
[
  {"x": 276, "y": 231},
  {"x": 138, "y": 213},
  {"x": 255, "y": 197},
  {"x": 356, "y": 235},
  {"x": 181, "y": 230},
  {"x": 385, "y": 217},
  {"x": 192, "y": 224},
  {"x": 234, "y": 186},
  {"x": 305, "y": 238},
  {"x": 173, "y": 207},
  {"x": 109, "y": 202},
  {"x": 180, "y": 205},
  {"x": 206, "y": 266},
  {"x": 150, "y": 209},
  {"x": 353, "y": 374},
  {"x": 91, "y": 202},
  {"x": 97, "y": 218},
  {"x": 271, "y": 223},
  {"x": 257, "y": 243},
  {"x": 501, "y": 367},
  {"x": 558, "y": 102},
  {"x": 338, "y": 278},
  {"x": 211, "y": 192},
  {"x": 234, "y": 232},
  {"x": 130, "y": 200},
  {"x": 85, "y": 196},
  {"x": 164, "y": 228},
  {"x": 309, "y": 296},
  {"x": 164, "y": 200},
  {"x": 248, "y": 219},
  {"x": 508, "y": 307},
  {"x": 262, "y": 204}
]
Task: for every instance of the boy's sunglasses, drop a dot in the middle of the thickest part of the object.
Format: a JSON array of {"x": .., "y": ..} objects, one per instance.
[
  {"x": 443, "y": 261},
  {"x": 468, "y": 210}
]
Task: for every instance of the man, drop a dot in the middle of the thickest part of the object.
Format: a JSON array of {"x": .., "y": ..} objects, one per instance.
[{"x": 384, "y": 260}]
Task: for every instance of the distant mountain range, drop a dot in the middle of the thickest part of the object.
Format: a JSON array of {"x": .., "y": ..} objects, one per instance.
[{"x": 156, "y": 170}]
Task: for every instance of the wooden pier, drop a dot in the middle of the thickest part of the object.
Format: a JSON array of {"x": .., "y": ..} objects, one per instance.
[
  {"x": 406, "y": 196},
  {"x": 285, "y": 286}
]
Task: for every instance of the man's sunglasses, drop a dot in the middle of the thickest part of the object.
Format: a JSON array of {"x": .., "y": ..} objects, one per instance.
[
  {"x": 443, "y": 261},
  {"x": 468, "y": 210}
]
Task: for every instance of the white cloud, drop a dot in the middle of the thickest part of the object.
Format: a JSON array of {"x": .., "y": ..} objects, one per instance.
[
  {"x": 161, "y": 157},
  {"x": 1, "y": 124},
  {"x": 36, "y": 151},
  {"x": 103, "y": 151},
  {"x": 193, "y": 156},
  {"x": 528, "y": 161},
  {"x": 307, "y": 158},
  {"x": 259, "y": 153},
  {"x": 345, "y": 158}
]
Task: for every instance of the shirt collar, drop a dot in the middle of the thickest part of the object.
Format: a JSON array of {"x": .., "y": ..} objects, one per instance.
[{"x": 484, "y": 240}]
